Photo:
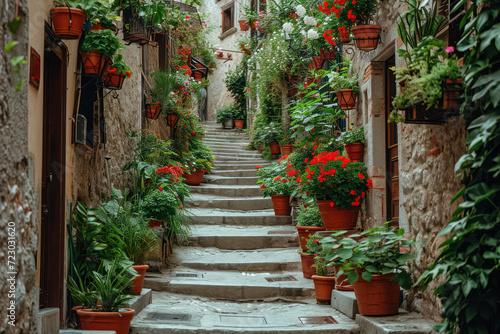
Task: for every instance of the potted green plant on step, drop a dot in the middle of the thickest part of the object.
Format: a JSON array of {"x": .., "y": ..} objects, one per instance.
[
  {"x": 308, "y": 222},
  {"x": 324, "y": 280},
  {"x": 239, "y": 116},
  {"x": 277, "y": 185},
  {"x": 97, "y": 49},
  {"x": 225, "y": 116},
  {"x": 313, "y": 248},
  {"x": 354, "y": 143}
]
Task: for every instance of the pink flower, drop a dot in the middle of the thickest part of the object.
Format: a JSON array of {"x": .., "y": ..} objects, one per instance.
[
  {"x": 261, "y": 12},
  {"x": 204, "y": 24},
  {"x": 450, "y": 49},
  {"x": 199, "y": 82},
  {"x": 304, "y": 40},
  {"x": 248, "y": 89}
]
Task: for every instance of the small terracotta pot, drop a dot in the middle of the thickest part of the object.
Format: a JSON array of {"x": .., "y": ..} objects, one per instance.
[
  {"x": 243, "y": 25},
  {"x": 366, "y": 36},
  {"x": 153, "y": 111},
  {"x": 139, "y": 281},
  {"x": 172, "y": 120},
  {"x": 305, "y": 232},
  {"x": 346, "y": 99},
  {"x": 450, "y": 93},
  {"x": 317, "y": 63},
  {"x": 335, "y": 218},
  {"x": 68, "y": 22},
  {"x": 378, "y": 297},
  {"x": 307, "y": 262},
  {"x": 341, "y": 282},
  {"x": 323, "y": 287},
  {"x": 355, "y": 151},
  {"x": 193, "y": 179},
  {"x": 239, "y": 123},
  {"x": 93, "y": 62},
  {"x": 113, "y": 81},
  {"x": 106, "y": 321},
  {"x": 281, "y": 205},
  {"x": 286, "y": 149},
  {"x": 274, "y": 147},
  {"x": 294, "y": 15},
  {"x": 344, "y": 40}
]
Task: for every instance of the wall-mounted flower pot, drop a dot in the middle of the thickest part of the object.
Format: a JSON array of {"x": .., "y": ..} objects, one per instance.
[
  {"x": 366, "y": 36},
  {"x": 344, "y": 40},
  {"x": 243, "y": 25},
  {"x": 450, "y": 92},
  {"x": 328, "y": 54},
  {"x": 341, "y": 282},
  {"x": 228, "y": 124},
  {"x": 305, "y": 232},
  {"x": 420, "y": 114},
  {"x": 186, "y": 49},
  {"x": 323, "y": 286},
  {"x": 335, "y": 218},
  {"x": 378, "y": 297},
  {"x": 239, "y": 123},
  {"x": 193, "y": 179},
  {"x": 286, "y": 149},
  {"x": 134, "y": 28},
  {"x": 281, "y": 205},
  {"x": 139, "y": 281},
  {"x": 317, "y": 63},
  {"x": 307, "y": 261},
  {"x": 94, "y": 63},
  {"x": 68, "y": 22},
  {"x": 355, "y": 151},
  {"x": 274, "y": 147},
  {"x": 153, "y": 111},
  {"x": 346, "y": 99},
  {"x": 113, "y": 80},
  {"x": 106, "y": 321},
  {"x": 172, "y": 120}
]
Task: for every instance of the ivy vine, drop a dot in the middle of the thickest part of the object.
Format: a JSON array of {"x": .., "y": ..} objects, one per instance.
[{"x": 16, "y": 61}]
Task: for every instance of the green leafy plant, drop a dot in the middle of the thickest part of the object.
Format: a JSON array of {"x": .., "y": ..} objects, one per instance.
[
  {"x": 163, "y": 90},
  {"x": 15, "y": 61},
  {"x": 119, "y": 66},
  {"x": 340, "y": 81},
  {"x": 102, "y": 41},
  {"x": 236, "y": 81},
  {"x": 320, "y": 265},
  {"x": 160, "y": 205},
  {"x": 268, "y": 134},
  {"x": 353, "y": 136},
  {"x": 309, "y": 216},
  {"x": 313, "y": 245},
  {"x": 273, "y": 179},
  {"x": 225, "y": 113}
]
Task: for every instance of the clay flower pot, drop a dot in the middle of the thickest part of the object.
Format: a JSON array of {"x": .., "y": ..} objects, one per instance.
[
  {"x": 307, "y": 262},
  {"x": 275, "y": 148},
  {"x": 346, "y": 99},
  {"x": 154, "y": 223},
  {"x": 106, "y": 321},
  {"x": 113, "y": 81},
  {"x": 305, "y": 232},
  {"x": 341, "y": 282},
  {"x": 366, "y": 36},
  {"x": 193, "y": 179},
  {"x": 68, "y": 22},
  {"x": 344, "y": 40},
  {"x": 335, "y": 218},
  {"x": 286, "y": 149},
  {"x": 239, "y": 123},
  {"x": 323, "y": 286},
  {"x": 153, "y": 111},
  {"x": 94, "y": 62},
  {"x": 243, "y": 25},
  {"x": 293, "y": 15},
  {"x": 229, "y": 124},
  {"x": 281, "y": 205},
  {"x": 186, "y": 49},
  {"x": 452, "y": 89},
  {"x": 355, "y": 151},
  {"x": 378, "y": 297},
  {"x": 139, "y": 281},
  {"x": 317, "y": 63},
  {"x": 172, "y": 120}
]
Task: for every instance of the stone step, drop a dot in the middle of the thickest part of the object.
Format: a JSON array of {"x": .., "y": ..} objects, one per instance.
[
  {"x": 182, "y": 314},
  {"x": 403, "y": 322},
  {"x": 228, "y": 139},
  {"x": 230, "y": 191},
  {"x": 235, "y": 160},
  {"x": 140, "y": 302},
  {"x": 235, "y": 217},
  {"x": 229, "y": 142},
  {"x": 237, "y": 166},
  {"x": 225, "y": 149},
  {"x": 237, "y": 153},
  {"x": 229, "y": 133},
  {"x": 231, "y": 285},
  {"x": 219, "y": 202},
  {"x": 243, "y": 237},
  {"x": 235, "y": 173},
  {"x": 232, "y": 180},
  {"x": 240, "y": 147},
  {"x": 263, "y": 260}
]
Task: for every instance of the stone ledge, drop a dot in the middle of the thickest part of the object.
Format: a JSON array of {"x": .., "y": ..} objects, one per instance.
[
  {"x": 228, "y": 33},
  {"x": 139, "y": 303},
  {"x": 411, "y": 323},
  {"x": 48, "y": 320},
  {"x": 345, "y": 302}
]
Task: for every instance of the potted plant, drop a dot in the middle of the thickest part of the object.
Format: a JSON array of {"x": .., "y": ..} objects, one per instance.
[
  {"x": 324, "y": 281},
  {"x": 271, "y": 135},
  {"x": 286, "y": 143},
  {"x": 116, "y": 73},
  {"x": 196, "y": 165},
  {"x": 375, "y": 266},
  {"x": 354, "y": 143},
  {"x": 313, "y": 247},
  {"x": 248, "y": 19},
  {"x": 68, "y": 18},
  {"x": 344, "y": 85},
  {"x": 98, "y": 47},
  {"x": 338, "y": 185},
  {"x": 159, "y": 204},
  {"x": 239, "y": 117},
  {"x": 276, "y": 184},
  {"x": 137, "y": 20},
  {"x": 360, "y": 13},
  {"x": 225, "y": 116},
  {"x": 308, "y": 222}
]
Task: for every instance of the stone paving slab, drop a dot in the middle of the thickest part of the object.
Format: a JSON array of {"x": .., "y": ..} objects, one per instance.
[
  {"x": 238, "y": 166},
  {"x": 229, "y": 190},
  {"x": 402, "y": 323},
  {"x": 222, "y": 202},
  {"x": 235, "y": 179},
  {"x": 236, "y": 160},
  {"x": 238, "y": 217},
  {"x": 236, "y": 153}
]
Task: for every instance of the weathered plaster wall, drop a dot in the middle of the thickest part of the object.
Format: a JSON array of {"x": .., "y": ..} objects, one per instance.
[{"x": 18, "y": 200}]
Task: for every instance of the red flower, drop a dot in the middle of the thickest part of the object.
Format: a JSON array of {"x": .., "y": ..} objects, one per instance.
[
  {"x": 158, "y": 102},
  {"x": 262, "y": 187},
  {"x": 353, "y": 192},
  {"x": 316, "y": 241},
  {"x": 128, "y": 74},
  {"x": 332, "y": 204},
  {"x": 361, "y": 176},
  {"x": 112, "y": 70},
  {"x": 193, "y": 132},
  {"x": 258, "y": 166},
  {"x": 160, "y": 188},
  {"x": 277, "y": 178},
  {"x": 180, "y": 207},
  {"x": 369, "y": 183}
]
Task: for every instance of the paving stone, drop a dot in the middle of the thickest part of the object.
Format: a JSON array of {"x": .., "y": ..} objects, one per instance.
[
  {"x": 238, "y": 217},
  {"x": 402, "y": 323},
  {"x": 229, "y": 191},
  {"x": 220, "y": 202}
]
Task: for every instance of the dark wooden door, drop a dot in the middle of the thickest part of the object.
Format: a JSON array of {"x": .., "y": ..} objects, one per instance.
[
  {"x": 392, "y": 175},
  {"x": 53, "y": 225}
]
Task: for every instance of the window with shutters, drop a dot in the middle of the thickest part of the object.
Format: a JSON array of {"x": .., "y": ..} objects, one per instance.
[{"x": 227, "y": 17}]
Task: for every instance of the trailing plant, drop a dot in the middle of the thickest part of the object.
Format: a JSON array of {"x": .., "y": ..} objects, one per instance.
[
  {"x": 273, "y": 179},
  {"x": 309, "y": 216},
  {"x": 353, "y": 136},
  {"x": 119, "y": 66},
  {"x": 16, "y": 61},
  {"x": 102, "y": 41}
]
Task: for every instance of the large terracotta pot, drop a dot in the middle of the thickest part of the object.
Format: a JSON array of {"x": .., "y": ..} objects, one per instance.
[
  {"x": 239, "y": 123},
  {"x": 323, "y": 286},
  {"x": 93, "y": 62},
  {"x": 68, "y": 22},
  {"x": 366, "y": 36},
  {"x": 305, "y": 232},
  {"x": 341, "y": 282},
  {"x": 193, "y": 179},
  {"x": 243, "y": 25},
  {"x": 335, "y": 218},
  {"x": 286, "y": 149},
  {"x": 307, "y": 262},
  {"x": 274, "y": 147},
  {"x": 317, "y": 63},
  {"x": 139, "y": 281},
  {"x": 450, "y": 93},
  {"x": 378, "y": 297},
  {"x": 355, "y": 151},
  {"x": 106, "y": 321},
  {"x": 346, "y": 99},
  {"x": 281, "y": 205}
]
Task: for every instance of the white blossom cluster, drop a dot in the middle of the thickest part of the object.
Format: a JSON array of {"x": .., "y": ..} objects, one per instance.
[
  {"x": 312, "y": 34},
  {"x": 300, "y": 10},
  {"x": 288, "y": 27},
  {"x": 309, "y": 20}
]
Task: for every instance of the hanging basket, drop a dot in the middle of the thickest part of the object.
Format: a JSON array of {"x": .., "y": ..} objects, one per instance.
[
  {"x": 68, "y": 22},
  {"x": 243, "y": 25},
  {"x": 113, "y": 81},
  {"x": 451, "y": 90},
  {"x": 366, "y": 37},
  {"x": 317, "y": 63},
  {"x": 172, "y": 120},
  {"x": 344, "y": 40},
  {"x": 186, "y": 49},
  {"x": 94, "y": 63},
  {"x": 346, "y": 99},
  {"x": 152, "y": 111},
  {"x": 328, "y": 54},
  {"x": 134, "y": 28}
]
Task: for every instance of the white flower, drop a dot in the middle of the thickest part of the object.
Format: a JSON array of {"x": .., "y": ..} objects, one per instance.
[
  {"x": 309, "y": 20},
  {"x": 300, "y": 10},
  {"x": 303, "y": 32},
  {"x": 288, "y": 27},
  {"x": 312, "y": 34}
]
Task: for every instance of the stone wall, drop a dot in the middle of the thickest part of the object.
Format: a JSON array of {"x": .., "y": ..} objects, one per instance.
[{"x": 18, "y": 201}]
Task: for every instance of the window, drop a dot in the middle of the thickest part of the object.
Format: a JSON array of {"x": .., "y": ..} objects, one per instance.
[{"x": 227, "y": 17}]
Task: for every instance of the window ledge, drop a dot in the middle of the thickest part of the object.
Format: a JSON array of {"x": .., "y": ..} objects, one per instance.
[{"x": 228, "y": 33}]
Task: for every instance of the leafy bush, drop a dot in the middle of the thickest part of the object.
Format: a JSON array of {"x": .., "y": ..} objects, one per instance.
[
  {"x": 236, "y": 81},
  {"x": 160, "y": 205},
  {"x": 225, "y": 113},
  {"x": 273, "y": 179},
  {"x": 313, "y": 244},
  {"x": 353, "y": 136},
  {"x": 102, "y": 41},
  {"x": 309, "y": 216},
  {"x": 340, "y": 81}
]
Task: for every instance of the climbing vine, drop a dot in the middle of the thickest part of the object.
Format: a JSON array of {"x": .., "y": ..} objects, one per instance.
[
  {"x": 16, "y": 61},
  {"x": 470, "y": 258}
]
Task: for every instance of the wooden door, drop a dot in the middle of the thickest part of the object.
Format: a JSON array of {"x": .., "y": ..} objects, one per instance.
[
  {"x": 392, "y": 161},
  {"x": 53, "y": 224}
]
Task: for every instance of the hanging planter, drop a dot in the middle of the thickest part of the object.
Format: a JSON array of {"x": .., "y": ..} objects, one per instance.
[
  {"x": 346, "y": 99},
  {"x": 307, "y": 261},
  {"x": 344, "y": 40},
  {"x": 172, "y": 120},
  {"x": 199, "y": 74},
  {"x": 153, "y": 111},
  {"x": 452, "y": 89},
  {"x": 328, "y": 54},
  {"x": 378, "y": 297},
  {"x": 281, "y": 205},
  {"x": 305, "y": 232},
  {"x": 139, "y": 281},
  {"x": 243, "y": 25},
  {"x": 323, "y": 287},
  {"x": 94, "y": 63},
  {"x": 68, "y": 22},
  {"x": 113, "y": 81},
  {"x": 134, "y": 28},
  {"x": 286, "y": 149},
  {"x": 335, "y": 218},
  {"x": 317, "y": 63},
  {"x": 366, "y": 37},
  {"x": 274, "y": 147},
  {"x": 239, "y": 123},
  {"x": 186, "y": 49},
  {"x": 420, "y": 114},
  {"x": 193, "y": 179},
  {"x": 355, "y": 151}
]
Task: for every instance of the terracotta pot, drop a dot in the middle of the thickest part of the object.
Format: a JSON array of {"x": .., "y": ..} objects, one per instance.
[
  {"x": 305, "y": 232},
  {"x": 344, "y": 40},
  {"x": 153, "y": 111},
  {"x": 229, "y": 124},
  {"x": 378, "y": 297},
  {"x": 323, "y": 286},
  {"x": 239, "y": 123},
  {"x": 74, "y": 316},
  {"x": 154, "y": 223},
  {"x": 68, "y": 22},
  {"x": 193, "y": 179},
  {"x": 355, "y": 151},
  {"x": 186, "y": 49},
  {"x": 139, "y": 281},
  {"x": 93, "y": 62},
  {"x": 450, "y": 93},
  {"x": 317, "y": 63},
  {"x": 243, "y": 25},
  {"x": 275, "y": 148},
  {"x": 172, "y": 120},
  {"x": 341, "y": 282},
  {"x": 294, "y": 15},
  {"x": 328, "y": 54},
  {"x": 281, "y": 205},
  {"x": 113, "y": 80},
  {"x": 244, "y": 49},
  {"x": 286, "y": 149},
  {"x": 198, "y": 75},
  {"x": 346, "y": 98},
  {"x": 335, "y": 218},
  {"x": 366, "y": 36},
  {"x": 307, "y": 262},
  {"x": 106, "y": 321}
]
